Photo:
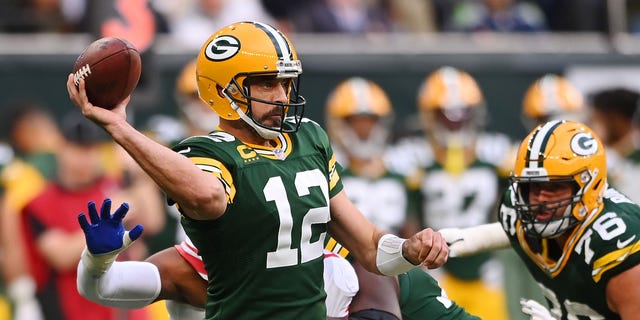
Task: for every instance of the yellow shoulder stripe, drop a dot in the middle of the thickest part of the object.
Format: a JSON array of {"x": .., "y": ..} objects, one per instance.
[
  {"x": 335, "y": 247},
  {"x": 218, "y": 169},
  {"x": 612, "y": 259},
  {"x": 334, "y": 177}
]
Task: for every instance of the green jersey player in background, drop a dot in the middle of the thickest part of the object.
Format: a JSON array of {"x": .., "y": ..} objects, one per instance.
[
  {"x": 257, "y": 196},
  {"x": 458, "y": 186},
  {"x": 359, "y": 117}
]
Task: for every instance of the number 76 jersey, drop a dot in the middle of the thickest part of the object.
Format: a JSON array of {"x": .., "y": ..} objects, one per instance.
[
  {"x": 264, "y": 256},
  {"x": 574, "y": 278}
]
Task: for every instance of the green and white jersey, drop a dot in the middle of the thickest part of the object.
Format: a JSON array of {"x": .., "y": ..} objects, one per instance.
[
  {"x": 422, "y": 298},
  {"x": 574, "y": 278},
  {"x": 264, "y": 256},
  {"x": 448, "y": 200},
  {"x": 383, "y": 200}
]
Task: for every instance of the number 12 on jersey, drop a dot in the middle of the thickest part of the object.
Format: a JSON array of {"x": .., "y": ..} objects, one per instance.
[{"x": 286, "y": 254}]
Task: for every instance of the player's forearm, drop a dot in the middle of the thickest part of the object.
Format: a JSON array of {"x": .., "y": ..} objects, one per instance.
[
  {"x": 129, "y": 284},
  {"x": 200, "y": 195},
  {"x": 476, "y": 239}
]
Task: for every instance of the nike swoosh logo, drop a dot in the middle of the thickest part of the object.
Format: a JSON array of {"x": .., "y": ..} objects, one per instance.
[
  {"x": 187, "y": 150},
  {"x": 622, "y": 244}
]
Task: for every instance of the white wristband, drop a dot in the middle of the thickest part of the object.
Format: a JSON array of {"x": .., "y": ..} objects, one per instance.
[
  {"x": 98, "y": 264},
  {"x": 389, "y": 259}
]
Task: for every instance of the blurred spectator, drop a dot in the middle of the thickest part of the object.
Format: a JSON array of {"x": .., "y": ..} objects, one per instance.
[
  {"x": 53, "y": 238},
  {"x": 612, "y": 118},
  {"x": 575, "y": 15},
  {"x": 61, "y": 16},
  {"x": 34, "y": 16},
  {"x": 34, "y": 137},
  {"x": 192, "y": 21},
  {"x": 496, "y": 15},
  {"x": 633, "y": 16},
  {"x": 329, "y": 16},
  {"x": 612, "y": 115},
  {"x": 6, "y": 155},
  {"x": 410, "y": 15}
]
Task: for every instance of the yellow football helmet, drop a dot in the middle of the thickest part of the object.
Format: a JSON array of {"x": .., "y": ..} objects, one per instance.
[
  {"x": 551, "y": 97},
  {"x": 240, "y": 52},
  {"x": 451, "y": 106},
  {"x": 198, "y": 115},
  {"x": 358, "y": 97},
  {"x": 559, "y": 151}
]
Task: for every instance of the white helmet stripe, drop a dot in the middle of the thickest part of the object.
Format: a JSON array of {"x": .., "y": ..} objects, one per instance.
[
  {"x": 452, "y": 80},
  {"x": 360, "y": 89},
  {"x": 549, "y": 87},
  {"x": 281, "y": 44},
  {"x": 538, "y": 143}
]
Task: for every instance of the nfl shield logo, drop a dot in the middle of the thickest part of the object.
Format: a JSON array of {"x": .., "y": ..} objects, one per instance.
[{"x": 279, "y": 154}]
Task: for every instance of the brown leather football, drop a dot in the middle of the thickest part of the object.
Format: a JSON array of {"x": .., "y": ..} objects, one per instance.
[{"x": 111, "y": 69}]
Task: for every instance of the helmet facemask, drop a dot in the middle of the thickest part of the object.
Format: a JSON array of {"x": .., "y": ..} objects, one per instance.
[
  {"x": 291, "y": 111},
  {"x": 454, "y": 125},
  {"x": 533, "y": 216},
  {"x": 364, "y": 147}
]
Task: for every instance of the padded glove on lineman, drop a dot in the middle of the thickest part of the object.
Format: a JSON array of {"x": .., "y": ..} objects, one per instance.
[
  {"x": 535, "y": 310},
  {"x": 105, "y": 236}
]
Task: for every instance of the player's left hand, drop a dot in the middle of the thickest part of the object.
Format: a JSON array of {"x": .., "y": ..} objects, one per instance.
[
  {"x": 535, "y": 310},
  {"x": 106, "y": 232},
  {"x": 105, "y": 236},
  {"x": 427, "y": 248}
]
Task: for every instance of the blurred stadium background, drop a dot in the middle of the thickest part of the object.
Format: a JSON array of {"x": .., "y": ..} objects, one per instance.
[{"x": 602, "y": 51}]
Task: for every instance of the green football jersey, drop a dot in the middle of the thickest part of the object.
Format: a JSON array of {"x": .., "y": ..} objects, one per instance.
[
  {"x": 264, "y": 256},
  {"x": 446, "y": 200},
  {"x": 422, "y": 298},
  {"x": 574, "y": 279},
  {"x": 383, "y": 200}
]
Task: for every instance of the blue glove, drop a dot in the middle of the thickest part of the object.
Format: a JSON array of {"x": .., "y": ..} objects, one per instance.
[
  {"x": 105, "y": 236},
  {"x": 106, "y": 232}
]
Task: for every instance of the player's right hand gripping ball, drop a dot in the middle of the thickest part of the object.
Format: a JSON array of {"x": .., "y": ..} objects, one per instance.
[{"x": 111, "y": 69}]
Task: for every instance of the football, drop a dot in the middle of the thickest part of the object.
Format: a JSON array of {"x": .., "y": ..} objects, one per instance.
[{"x": 111, "y": 69}]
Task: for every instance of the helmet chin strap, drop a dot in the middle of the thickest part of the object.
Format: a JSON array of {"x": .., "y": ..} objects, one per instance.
[{"x": 265, "y": 133}]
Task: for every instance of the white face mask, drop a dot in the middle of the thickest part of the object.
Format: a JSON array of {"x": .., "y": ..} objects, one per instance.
[
  {"x": 367, "y": 148},
  {"x": 202, "y": 118}
]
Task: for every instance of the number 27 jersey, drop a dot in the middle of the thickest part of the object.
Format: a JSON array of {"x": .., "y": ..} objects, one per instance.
[{"x": 264, "y": 256}]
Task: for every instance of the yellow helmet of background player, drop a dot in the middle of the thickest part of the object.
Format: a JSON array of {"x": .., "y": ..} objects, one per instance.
[
  {"x": 198, "y": 115},
  {"x": 186, "y": 83},
  {"x": 451, "y": 104},
  {"x": 560, "y": 151},
  {"x": 240, "y": 52},
  {"x": 358, "y": 97},
  {"x": 551, "y": 97}
]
